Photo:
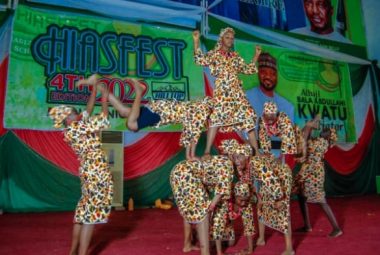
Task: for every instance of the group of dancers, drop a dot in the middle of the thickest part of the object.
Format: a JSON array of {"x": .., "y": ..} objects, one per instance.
[{"x": 211, "y": 192}]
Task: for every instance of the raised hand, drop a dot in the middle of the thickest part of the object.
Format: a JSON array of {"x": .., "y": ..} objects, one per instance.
[{"x": 196, "y": 35}]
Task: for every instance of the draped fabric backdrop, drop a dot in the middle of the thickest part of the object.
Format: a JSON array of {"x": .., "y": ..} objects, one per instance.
[{"x": 39, "y": 172}]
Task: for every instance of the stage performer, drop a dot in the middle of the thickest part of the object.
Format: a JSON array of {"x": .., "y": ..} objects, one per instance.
[
  {"x": 275, "y": 123},
  {"x": 231, "y": 110},
  {"x": 273, "y": 180},
  {"x": 240, "y": 205},
  {"x": 192, "y": 182},
  {"x": 309, "y": 182},
  {"x": 191, "y": 114},
  {"x": 81, "y": 132}
]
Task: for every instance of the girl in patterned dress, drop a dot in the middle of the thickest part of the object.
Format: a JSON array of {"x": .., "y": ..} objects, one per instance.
[
  {"x": 191, "y": 182},
  {"x": 231, "y": 110},
  {"x": 240, "y": 205},
  {"x": 82, "y": 134},
  {"x": 273, "y": 180},
  {"x": 191, "y": 114},
  {"x": 309, "y": 182},
  {"x": 274, "y": 123}
]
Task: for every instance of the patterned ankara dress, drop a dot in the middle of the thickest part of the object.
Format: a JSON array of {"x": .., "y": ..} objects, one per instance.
[
  {"x": 246, "y": 213},
  {"x": 275, "y": 184},
  {"x": 282, "y": 128},
  {"x": 94, "y": 205},
  {"x": 231, "y": 109},
  {"x": 191, "y": 114},
  {"x": 310, "y": 179},
  {"x": 191, "y": 182}
]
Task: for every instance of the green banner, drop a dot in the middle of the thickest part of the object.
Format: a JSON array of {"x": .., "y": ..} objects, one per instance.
[
  {"x": 304, "y": 87},
  {"x": 52, "y": 50}
]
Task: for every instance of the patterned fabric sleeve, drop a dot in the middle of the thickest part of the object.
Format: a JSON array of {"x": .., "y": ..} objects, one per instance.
[
  {"x": 288, "y": 139},
  {"x": 203, "y": 59},
  {"x": 97, "y": 123},
  {"x": 246, "y": 68},
  {"x": 264, "y": 139}
]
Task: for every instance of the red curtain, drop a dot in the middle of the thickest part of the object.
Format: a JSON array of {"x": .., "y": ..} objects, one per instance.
[
  {"x": 346, "y": 162},
  {"x": 3, "y": 83},
  {"x": 52, "y": 147},
  {"x": 149, "y": 153}
]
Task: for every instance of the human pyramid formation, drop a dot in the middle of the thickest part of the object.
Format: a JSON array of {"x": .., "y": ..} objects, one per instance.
[{"x": 240, "y": 178}]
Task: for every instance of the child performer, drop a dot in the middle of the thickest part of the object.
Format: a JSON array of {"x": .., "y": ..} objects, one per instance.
[
  {"x": 82, "y": 134},
  {"x": 230, "y": 108},
  {"x": 240, "y": 205},
  {"x": 309, "y": 182},
  {"x": 274, "y": 181},
  {"x": 191, "y": 181},
  {"x": 191, "y": 114}
]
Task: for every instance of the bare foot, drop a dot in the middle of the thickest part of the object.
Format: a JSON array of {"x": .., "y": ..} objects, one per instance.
[
  {"x": 260, "y": 242},
  {"x": 206, "y": 156},
  {"x": 139, "y": 88},
  {"x": 304, "y": 229},
  {"x": 92, "y": 80},
  {"x": 336, "y": 233},
  {"x": 191, "y": 248},
  {"x": 288, "y": 252},
  {"x": 192, "y": 158}
]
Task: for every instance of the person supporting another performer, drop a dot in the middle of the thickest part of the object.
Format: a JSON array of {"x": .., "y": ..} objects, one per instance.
[{"x": 82, "y": 134}]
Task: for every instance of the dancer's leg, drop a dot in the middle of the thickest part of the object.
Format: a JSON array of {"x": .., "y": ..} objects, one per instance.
[
  {"x": 210, "y": 139},
  {"x": 188, "y": 245},
  {"x": 253, "y": 141},
  {"x": 123, "y": 110},
  {"x": 85, "y": 238},
  {"x": 330, "y": 215},
  {"x": 135, "y": 110},
  {"x": 75, "y": 239},
  {"x": 203, "y": 235},
  {"x": 261, "y": 240},
  {"x": 305, "y": 214},
  {"x": 288, "y": 242}
]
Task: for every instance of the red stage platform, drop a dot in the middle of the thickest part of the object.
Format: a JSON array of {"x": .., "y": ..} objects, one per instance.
[{"x": 154, "y": 231}]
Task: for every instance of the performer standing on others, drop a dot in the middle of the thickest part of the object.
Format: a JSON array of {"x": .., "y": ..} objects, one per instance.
[{"x": 231, "y": 110}]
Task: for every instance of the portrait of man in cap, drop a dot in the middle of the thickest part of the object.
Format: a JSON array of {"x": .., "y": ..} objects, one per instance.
[{"x": 265, "y": 92}]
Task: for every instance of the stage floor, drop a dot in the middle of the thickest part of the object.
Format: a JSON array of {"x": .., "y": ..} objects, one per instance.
[{"x": 155, "y": 231}]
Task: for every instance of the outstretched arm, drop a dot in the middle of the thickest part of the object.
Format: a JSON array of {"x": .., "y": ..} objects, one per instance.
[
  {"x": 196, "y": 36},
  {"x": 257, "y": 53},
  {"x": 104, "y": 92},
  {"x": 91, "y": 100}
]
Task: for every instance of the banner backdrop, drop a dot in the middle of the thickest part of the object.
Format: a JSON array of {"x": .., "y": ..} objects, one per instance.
[
  {"x": 334, "y": 24},
  {"x": 52, "y": 50},
  {"x": 306, "y": 86}
]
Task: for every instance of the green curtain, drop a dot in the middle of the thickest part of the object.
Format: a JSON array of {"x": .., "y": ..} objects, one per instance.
[
  {"x": 28, "y": 182},
  {"x": 144, "y": 190},
  {"x": 362, "y": 180}
]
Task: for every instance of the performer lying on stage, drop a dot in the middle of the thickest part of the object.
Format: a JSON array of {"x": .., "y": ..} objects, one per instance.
[
  {"x": 82, "y": 134},
  {"x": 309, "y": 182},
  {"x": 191, "y": 114}
]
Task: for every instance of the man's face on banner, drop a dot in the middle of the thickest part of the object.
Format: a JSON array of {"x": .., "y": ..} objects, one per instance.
[
  {"x": 268, "y": 78},
  {"x": 319, "y": 13}
]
